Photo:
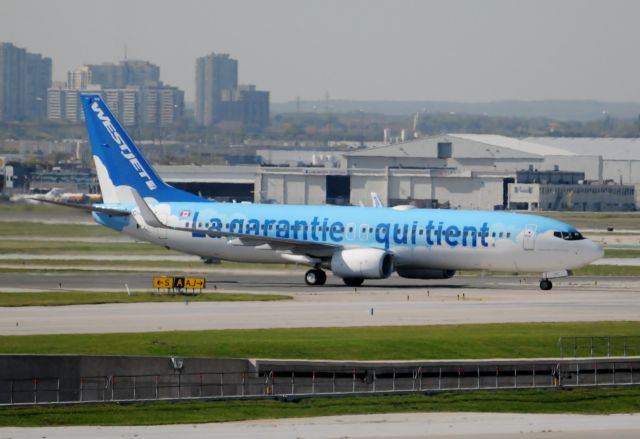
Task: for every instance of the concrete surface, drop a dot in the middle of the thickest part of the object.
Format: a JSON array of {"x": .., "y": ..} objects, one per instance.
[
  {"x": 394, "y": 302},
  {"x": 398, "y": 426}
]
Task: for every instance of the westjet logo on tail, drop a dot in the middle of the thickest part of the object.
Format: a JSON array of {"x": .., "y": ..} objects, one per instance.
[{"x": 125, "y": 150}]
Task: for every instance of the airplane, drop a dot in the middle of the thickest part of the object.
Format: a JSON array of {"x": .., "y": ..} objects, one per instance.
[
  {"x": 354, "y": 243},
  {"x": 56, "y": 194}
]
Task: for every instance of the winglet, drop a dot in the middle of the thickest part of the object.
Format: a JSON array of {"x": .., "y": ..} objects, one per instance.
[{"x": 147, "y": 214}]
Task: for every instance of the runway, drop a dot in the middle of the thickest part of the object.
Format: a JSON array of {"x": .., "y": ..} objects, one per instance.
[
  {"x": 391, "y": 302},
  {"x": 398, "y": 426}
]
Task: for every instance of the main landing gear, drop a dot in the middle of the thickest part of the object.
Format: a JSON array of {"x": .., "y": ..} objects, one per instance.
[
  {"x": 545, "y": 285},
  {"x": 315, "y": 277}
]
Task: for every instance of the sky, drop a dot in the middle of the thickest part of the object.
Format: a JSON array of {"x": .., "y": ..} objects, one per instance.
[{"x": 449, "y": 50}]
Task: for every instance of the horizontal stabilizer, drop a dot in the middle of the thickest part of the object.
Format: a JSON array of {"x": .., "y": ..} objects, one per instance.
[{"x": 88, "y": 207}]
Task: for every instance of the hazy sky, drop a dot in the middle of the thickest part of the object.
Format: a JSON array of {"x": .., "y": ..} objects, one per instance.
[{"x": 370, "y": 50}]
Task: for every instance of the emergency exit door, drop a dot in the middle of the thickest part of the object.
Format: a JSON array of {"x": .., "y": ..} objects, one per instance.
[{"x": 529, "y": 238}]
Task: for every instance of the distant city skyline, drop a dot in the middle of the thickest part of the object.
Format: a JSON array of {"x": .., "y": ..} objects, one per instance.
[{"x": 448, "y": 50}]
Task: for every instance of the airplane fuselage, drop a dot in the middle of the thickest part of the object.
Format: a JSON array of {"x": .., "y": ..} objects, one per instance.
[{"x": 418, "y": 238}]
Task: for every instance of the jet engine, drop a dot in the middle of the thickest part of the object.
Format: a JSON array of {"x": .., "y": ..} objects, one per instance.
[
  {"x": 425, "y": 273},
  {"x": 363, "y": 263}
]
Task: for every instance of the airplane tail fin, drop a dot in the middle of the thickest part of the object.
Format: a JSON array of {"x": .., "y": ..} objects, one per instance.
[{"x": 119, "y": 164}]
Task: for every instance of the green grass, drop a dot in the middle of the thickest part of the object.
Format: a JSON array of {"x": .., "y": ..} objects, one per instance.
[
  {"x": 17, "y": 228},
  {"x": 59, "y": 298},
  {"x": 89, "y": 248},
  {"x": 608, "y": 270},
  {"x": 583, "y": 401},
  {"x": 622, "y": 253},
  {"x": 123, "y": 265},
  {"x": 597, "y": 220},
  {"x": 519, "y": 340},
  {"x": 107, "y": 263}
]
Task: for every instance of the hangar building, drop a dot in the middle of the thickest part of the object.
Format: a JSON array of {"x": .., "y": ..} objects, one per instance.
[{"x": 462, "y": 171}]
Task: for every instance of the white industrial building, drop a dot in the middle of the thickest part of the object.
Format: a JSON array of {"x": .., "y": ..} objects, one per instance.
[{"x": 461, "y": 171}]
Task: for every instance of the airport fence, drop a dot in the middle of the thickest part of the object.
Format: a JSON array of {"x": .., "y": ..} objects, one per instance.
[
  {"x": 586, "y": 346},
  {"x": 423, "y": 379}
]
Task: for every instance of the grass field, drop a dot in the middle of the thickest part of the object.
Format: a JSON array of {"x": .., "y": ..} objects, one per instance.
[
  {"x": 17, "y": 228},
  {"x": 88, "y": 248},
  {"x": 608, "y": 270},
  {"x": 622, "y": 253},
  {"x": 521, "y": 340},
  {"x": 583, "y": 401},
  {"x": 58, "y": 298},
  {"x": 597, "y": 220}
]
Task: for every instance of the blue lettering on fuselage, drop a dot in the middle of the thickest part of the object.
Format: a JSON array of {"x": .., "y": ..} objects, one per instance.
[{"x": 387, "y": 234}]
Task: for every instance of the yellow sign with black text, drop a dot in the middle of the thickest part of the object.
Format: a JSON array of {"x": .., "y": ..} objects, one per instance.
[
  {"x": 192, "y": 283},
  {"x": 162, "y": 282}
]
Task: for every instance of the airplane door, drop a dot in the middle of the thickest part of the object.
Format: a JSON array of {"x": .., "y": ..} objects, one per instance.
[{"x": 529, "y": 237}]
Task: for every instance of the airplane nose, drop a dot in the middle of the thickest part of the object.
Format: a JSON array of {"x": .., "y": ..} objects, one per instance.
[{"x": 594, "y": 251}]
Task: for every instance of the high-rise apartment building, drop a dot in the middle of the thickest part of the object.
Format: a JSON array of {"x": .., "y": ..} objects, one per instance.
[
  {"x": 124, "y": 73},
  {"x": 24, "y": 80},
  {"x": 247, "y": 105},
  {"x": 214, "y": 74},
  {"x": 124, "y": 103},
  {"x": 163, "y": 105},
  {"x": 80, "y": 78},
  {"x": 132, "y": 89}
]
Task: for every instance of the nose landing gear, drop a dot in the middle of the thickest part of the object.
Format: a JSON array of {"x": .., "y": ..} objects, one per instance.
[{"x": 315, "y": 277}]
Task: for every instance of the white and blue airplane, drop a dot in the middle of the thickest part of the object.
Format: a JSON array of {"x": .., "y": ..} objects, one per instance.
[{"x": 355, "y": 243}]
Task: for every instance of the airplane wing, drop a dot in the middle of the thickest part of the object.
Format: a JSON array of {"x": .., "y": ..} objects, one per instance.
[
  {"x": 87, "y": 207},
  {"x": 260, "y": 242}
]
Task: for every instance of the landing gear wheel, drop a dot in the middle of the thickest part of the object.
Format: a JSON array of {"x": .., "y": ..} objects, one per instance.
[
  {"x": 545, "y": 285},
  {"x": 353, "y": 281},
  {"x": 315, "y": 277}
]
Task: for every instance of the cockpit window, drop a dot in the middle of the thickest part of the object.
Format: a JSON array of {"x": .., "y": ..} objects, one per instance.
[{"x": 569, "y": 236}]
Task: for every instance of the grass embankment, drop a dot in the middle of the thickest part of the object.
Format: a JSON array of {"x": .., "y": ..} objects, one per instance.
[
  {"x": 519, "y": 340},
  {"x": 584, "y": 401},
  {"x": 59, "y": 298},
  {"x": 597, "y": 220}
]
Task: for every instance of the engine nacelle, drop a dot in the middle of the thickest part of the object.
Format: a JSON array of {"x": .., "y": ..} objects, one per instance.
[
  {"x": 366, "y": 263},
  {"x": 425, "y": 273}
]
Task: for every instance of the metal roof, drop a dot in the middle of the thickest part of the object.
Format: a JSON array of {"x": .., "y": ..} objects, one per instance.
[
  {"x": 610, "y": 148},
  {"x": 523, "y": 145},
  {"x": 464, "y": 146}
]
